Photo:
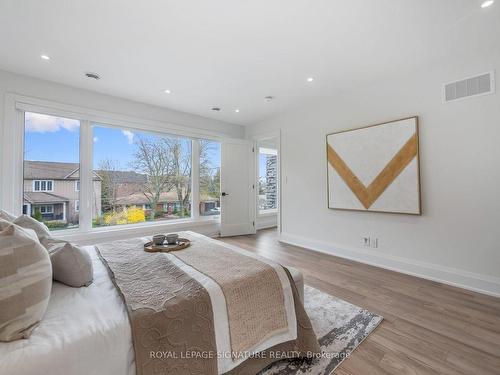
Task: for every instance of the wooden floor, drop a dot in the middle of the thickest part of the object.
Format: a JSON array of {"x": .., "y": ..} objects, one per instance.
[{"x": 428, "y": 327}]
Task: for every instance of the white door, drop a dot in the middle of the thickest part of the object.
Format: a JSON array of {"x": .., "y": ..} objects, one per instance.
[{"x": 237, "y": 188}]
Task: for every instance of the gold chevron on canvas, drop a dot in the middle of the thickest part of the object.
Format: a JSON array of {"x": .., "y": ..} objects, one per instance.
[{"x": 368, "y": 195}]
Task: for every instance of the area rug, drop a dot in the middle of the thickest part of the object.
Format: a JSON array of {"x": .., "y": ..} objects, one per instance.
[{"x": 340, "y": 328}]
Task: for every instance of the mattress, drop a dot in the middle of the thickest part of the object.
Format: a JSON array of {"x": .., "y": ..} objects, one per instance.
[{"x": 85, "y": 331}]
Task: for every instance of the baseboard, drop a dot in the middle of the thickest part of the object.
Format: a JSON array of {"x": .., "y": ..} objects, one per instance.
[
  {"x": 484, "y": 284},
  {"x": 265, "y": 226},
  {"x": 266, "y": 221}
]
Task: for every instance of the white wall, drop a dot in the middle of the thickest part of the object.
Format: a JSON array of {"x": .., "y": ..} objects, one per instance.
[
  {"x": 456, "y": 240},
  {"x": 28, "y": 86}
]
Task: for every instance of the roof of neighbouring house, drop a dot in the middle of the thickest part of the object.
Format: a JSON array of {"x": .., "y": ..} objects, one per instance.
[
  {"x": 140, "y": 198},
  {"x": 51, "y": 170},
  {"x": 42, "y": 197},
  {"x": 171, "y": 196},
  {"x": 124, "y": 176}
]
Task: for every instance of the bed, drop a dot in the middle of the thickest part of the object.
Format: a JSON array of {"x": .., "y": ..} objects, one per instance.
[{"x": 84, "y": 331}]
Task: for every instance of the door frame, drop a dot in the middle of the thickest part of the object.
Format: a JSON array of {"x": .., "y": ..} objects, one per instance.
[{"x": 274, "y": 134}]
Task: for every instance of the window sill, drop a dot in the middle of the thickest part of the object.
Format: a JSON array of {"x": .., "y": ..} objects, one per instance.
[
  {"x": 208, "y": 226},
  {"x": 264, "y": 213}
]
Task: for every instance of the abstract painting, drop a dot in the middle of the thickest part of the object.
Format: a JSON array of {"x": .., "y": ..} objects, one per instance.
[{"x": 375, "y": 168}]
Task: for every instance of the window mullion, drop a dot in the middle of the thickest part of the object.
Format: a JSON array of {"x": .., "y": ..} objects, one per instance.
[
  {"x": 195, "y": 179},
  {"x": 86, "y": 173},
  {"x": 11, "y": 160}
]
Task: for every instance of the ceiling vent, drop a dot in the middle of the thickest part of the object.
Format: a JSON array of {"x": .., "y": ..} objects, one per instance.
[{"x": 474, "y": 86}]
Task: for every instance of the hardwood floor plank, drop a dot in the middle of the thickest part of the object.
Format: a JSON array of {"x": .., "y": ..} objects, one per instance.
[{"x": 428, "y": 328}]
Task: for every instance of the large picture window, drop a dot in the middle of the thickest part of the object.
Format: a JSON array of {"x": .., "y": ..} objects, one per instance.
[
  {"x": 128, "y": 176},
  {"x": 51, "y": 169},
  {"x": 144, "y": 177}
]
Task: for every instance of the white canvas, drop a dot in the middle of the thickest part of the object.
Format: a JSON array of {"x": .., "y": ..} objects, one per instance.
[{"x": 366, "y": 152}]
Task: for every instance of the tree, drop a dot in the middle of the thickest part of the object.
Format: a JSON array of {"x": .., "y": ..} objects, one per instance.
[
  {"x": 154, "y": 159},
  {"x": 167, "y": 164},
  {"x": 214, "y": 188},
  {"x": 109, "y": 185},
  {"x": 181, "y": 170},
  {"x": 209, "y": 175}
]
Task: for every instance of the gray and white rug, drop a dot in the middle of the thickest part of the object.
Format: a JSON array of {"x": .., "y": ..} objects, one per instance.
[{"x": 340, "y": 328}]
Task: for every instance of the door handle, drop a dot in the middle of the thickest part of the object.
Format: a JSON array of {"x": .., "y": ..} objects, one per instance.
[{"x": 224, "y": 194}]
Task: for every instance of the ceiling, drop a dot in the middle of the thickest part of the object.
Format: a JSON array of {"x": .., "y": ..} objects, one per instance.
[{"x": 231, "y": 54}]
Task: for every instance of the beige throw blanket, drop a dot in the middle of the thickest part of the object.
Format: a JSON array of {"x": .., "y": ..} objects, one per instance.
[
  {"x": 254, "y": 295},
  {"x": 205, "y": 309}
]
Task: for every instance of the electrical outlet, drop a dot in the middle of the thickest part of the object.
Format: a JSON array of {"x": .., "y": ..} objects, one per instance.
[{"x": 366, "y": 241}]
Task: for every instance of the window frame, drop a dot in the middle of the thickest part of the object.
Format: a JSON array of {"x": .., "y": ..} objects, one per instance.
[
  {"x": 45, "y": 206},
  {"x": 11, "y": 194},
  {"x": 261, "y": 215},
  {"x": 40, "y": 186}
]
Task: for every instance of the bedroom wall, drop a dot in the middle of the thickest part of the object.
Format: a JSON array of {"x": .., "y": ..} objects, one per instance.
[
  {"x": 28, "y": 86},
  {"x": 456, "y": 239}
]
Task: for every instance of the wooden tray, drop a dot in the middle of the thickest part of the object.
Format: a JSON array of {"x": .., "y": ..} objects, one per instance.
[{"x": 182, "y": 243}]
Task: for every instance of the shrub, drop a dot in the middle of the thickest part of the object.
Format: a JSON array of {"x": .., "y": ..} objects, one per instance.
[
  {"x": 115, "y": 218},
  {"x": 54, "y": 224},
  {"x": 37, "y": 216},
  {"x": 135, "y": 215},
  {"x": 130, "y": 216}
]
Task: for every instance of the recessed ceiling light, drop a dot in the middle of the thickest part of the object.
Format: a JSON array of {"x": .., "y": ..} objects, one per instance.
[
  {"x": 310, "y": 79},
  {"x": 215, "y": 109},
  {"x": 487, "y": 3},
  {"x": 167, "y": 91},
  {"x": 45, "y": 57},
  {"x": 237, "y": 110},
  {"x": 268, "y": 98},
  {"x": 92, "y": 75}
]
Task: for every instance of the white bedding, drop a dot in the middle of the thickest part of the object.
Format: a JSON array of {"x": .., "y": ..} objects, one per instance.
[{"x": 85, "y": 331}]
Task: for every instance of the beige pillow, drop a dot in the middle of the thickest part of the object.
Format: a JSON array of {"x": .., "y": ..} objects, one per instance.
[
  {"x": 26, "y": 221},
  {"x": 4, "y": 215},
  {"x": 71, "y": 265},
  {"x": 25, "y": 281}
]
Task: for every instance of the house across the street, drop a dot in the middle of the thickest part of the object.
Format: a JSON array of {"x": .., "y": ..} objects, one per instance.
[
  {"x": 53, "y": 189},
  {"x": 128, "y": 188}
]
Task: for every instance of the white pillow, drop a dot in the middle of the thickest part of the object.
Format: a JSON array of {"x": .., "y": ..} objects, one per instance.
[
  {"x": 4, "y": 215},
  {"x": 25, "y": 281},
  {"x": 26, "y": 221},
  {"x": 71, "y": 265}
]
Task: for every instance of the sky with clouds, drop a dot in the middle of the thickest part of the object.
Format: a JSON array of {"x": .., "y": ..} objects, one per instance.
[{"x": 49, "y": 138}]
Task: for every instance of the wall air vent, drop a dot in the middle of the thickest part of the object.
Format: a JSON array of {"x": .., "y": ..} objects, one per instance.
[{"x": 469, "y": 87}]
